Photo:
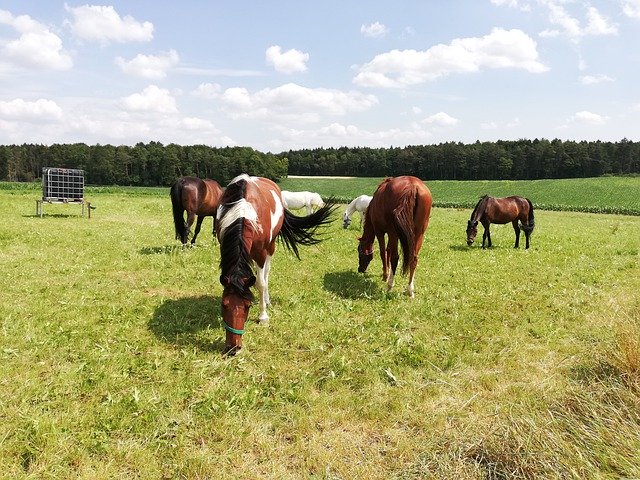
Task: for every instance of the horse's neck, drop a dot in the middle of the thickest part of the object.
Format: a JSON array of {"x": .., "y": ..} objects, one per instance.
[
  {"x": 368, "y": 234},
  {"x": 479, "y": 210},
  {"x": 351, "y": 207}
]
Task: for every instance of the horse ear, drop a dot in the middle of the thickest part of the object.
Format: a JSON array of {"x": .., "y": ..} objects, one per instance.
[
  {"x": 224, "y": 280},
  {"x": 251, "y": 281}
]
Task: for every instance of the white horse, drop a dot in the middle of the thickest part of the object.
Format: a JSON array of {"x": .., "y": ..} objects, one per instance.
[
  {"x": 295, "y": 200},
  {"x": 359, "y": 204}
]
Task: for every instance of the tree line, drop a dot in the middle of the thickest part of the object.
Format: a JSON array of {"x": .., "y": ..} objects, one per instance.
[
  {"x": 501, "y": 160},
  {"x": 150, "y": 165},
  {"x": 155, "y": 164}
]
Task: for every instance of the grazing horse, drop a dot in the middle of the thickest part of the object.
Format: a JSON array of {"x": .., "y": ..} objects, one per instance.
[
  {"x": 490, "y": 210},
  {"x": 358, "y": 204},
  {"x": 196, "y": 196},
  {"x": 400, "y": 208},
  {"x": 250, "y": 218},
  {"x": 296, "y": 200}
]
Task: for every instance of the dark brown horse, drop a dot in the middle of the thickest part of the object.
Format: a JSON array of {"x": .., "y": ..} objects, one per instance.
[
  {"x": 400, "y": 208},
  {"x": 196, "y": 197},
  {"x": 490, "y": 210},
  {"x": 250, "y": 218}
]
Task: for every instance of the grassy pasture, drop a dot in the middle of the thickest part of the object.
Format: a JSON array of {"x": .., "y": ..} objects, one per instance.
[{"x": 507, "y": 364}]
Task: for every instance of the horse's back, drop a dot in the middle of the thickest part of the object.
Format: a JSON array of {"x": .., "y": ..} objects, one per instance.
[{"x": 392, "y": 194}]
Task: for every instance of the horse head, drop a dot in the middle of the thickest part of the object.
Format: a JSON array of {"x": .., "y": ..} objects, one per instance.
[
  {"x": 346, "y": 221},
  {"x": 472, "y": 231},
  {"x": 236, "y": 301},
  {"x": 365, "y": 255}
]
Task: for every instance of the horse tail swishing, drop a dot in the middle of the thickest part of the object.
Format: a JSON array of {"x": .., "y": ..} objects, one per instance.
[
  {"x": 403, "y": 218},
  {"x": 531, "y": 222}
]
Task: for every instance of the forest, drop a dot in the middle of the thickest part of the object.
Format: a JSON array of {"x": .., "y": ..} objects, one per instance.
[{"x": 155, "y": 164}]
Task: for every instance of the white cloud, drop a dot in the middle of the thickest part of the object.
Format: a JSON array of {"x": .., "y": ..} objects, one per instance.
[
  {"x": 104, "y": 24},
  {"x": 154, "y": 67},
  {"x": 291, "y": 61},
  {"x": 631, "y": 8},
  {"x": 441, "y": 119},
  {"x": 596, "y": 23},
  {"x": 499, "y": 49},
  {"x": 208, "y": 91},
  {"x": 39, "y": 111},
  {"x": 36, "y": 46},
  {"x": 519, "y": 4},
  {"x": 152, "y": 99},
  {"x": 374, "y": 30},
  {"x": 595, "y": 79},
  {"x": 589, "y": 118},
  {"x": 295, "y": 100}
]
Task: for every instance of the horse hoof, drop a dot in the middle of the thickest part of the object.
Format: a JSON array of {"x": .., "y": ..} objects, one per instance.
[
  {"x": 263, "y": 320},
  {"x": 231, "y": 351}
]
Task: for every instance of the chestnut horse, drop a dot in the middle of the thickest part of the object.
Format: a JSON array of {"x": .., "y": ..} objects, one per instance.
[
  {"x": 400, "y": 208},
  {"x": 490, "y": 210},
  {"x": 196, "y": 196},
  {"x": 250, "y": 218}
]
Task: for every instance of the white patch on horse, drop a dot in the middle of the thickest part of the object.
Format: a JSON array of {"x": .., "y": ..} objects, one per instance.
[
  {"x": 230, "y": 212},
  {"x": 277, "y": 214},
  {"x": 243, "y": 176}
]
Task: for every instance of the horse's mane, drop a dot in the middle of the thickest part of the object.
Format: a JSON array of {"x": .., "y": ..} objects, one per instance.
[
  {"x": 477, "y": 211},
  {"x": 235, "y": 261}
]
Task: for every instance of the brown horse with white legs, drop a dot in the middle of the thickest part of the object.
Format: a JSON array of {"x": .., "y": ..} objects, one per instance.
[
  {"x": 196, "y": 197},
  {"x": 250, "y": 218},
  {"x": 400, "y": 208},
  {"x": 490, "y": 210}
]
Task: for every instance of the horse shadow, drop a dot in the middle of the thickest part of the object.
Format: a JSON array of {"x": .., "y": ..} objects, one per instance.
[
  {"x": 192, "y": 321},
  {"x": 352, "y": 285}
]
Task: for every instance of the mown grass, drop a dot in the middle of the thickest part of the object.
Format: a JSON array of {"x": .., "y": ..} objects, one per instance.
[{"x": 507, "y": 364}]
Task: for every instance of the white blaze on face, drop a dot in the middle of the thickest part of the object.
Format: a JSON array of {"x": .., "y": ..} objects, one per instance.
[
  {"x": 277, "y": 214},
  {"x": 230, "y": 212}
]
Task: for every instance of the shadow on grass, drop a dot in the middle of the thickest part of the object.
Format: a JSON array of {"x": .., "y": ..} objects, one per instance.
[
  {"x": 194, "y": 321},
  {"x": 353, "y": 285}
]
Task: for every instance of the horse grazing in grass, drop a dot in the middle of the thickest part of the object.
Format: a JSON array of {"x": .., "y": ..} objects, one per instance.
[
  {"x": 400, "y": 208},
  {"x": 296, "y": 200},
  {"x": 358, "y": 204},
  {"x": 196, "y": 197},
  {"x": 250, "y": 218},
  {"x": 490, "y": 210}
]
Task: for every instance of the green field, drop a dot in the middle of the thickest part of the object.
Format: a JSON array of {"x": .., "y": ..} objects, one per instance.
[
  {"x": 595, "y": 195},
  {"x": 507, "y": 364}
]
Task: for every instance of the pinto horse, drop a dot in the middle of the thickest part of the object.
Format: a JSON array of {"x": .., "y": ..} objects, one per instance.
[
  {"x": 358, "y": 204},
  {"x": 490, "y": 210},
  {"x": 400, "y": 208},
  {"x": 196, "y": 197},
  {"x": 296, "y": 200},
  {"x": 250, "y": 218}
]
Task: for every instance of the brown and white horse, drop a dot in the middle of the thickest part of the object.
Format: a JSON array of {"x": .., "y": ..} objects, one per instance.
[
  {"x": 400, "y": 208},
  {"x": 250, "y": 218},
  {"x": 490, "y": 210},
  {"x": 196, "y": 196}
]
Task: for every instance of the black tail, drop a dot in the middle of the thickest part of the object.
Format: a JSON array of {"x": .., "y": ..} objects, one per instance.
[
  {"x": 302, "y": 230},
  {"x": 178, "y": 211},
  {"x": 531, "y": 222}
]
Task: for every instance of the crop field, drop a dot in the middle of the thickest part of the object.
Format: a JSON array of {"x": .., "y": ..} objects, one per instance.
[{"x": 506, "y": 364}]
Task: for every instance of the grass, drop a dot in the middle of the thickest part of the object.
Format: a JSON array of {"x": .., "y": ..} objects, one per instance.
[{"x": 507, "y": 364}]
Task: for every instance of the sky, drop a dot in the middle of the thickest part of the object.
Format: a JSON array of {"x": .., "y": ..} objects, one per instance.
[{"x": 299, "y": 74}]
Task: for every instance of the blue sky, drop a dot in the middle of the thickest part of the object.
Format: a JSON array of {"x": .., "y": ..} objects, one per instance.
[{"x": 294, "y": 74}]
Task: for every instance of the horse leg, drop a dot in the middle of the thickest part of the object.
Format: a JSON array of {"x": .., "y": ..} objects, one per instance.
[
  {"x": 198, "y": 225},
  {"x": 262, "y": 283},
  {"x": 527, "y": 234},
  {"x": 383, "y": 257},
  {"x": 392, "y": 258},
  {"x": 516, "y": 229},
  {"x": 485, "y": 235},
  {"x": 190, "y": 218},
  {"x": 412, "y": 266}
]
